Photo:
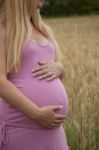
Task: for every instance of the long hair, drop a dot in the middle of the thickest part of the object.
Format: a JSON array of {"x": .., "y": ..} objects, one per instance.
[{"x": 19, "y": 16}]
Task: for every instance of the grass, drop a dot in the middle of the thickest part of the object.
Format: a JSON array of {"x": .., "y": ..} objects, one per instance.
[{"x": 79, "y": 41}]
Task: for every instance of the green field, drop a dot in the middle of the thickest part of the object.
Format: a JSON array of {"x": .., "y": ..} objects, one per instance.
[{"x": 79, "y": 41}]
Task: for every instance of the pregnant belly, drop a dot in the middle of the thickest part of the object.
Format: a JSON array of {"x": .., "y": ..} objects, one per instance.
[
  {"x": 42, "y": 93},
  {"x": 45, "y": 93}
]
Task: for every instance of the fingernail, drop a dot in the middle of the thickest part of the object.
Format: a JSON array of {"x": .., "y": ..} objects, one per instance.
[
  {"x": 61, "y": 106},
  {"x": 34, "y": 74}
]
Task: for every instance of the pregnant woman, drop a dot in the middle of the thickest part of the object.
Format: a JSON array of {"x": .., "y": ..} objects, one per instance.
[{"x": 33, "y": 100}]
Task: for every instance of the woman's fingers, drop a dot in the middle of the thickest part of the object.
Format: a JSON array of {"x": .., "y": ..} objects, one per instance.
[
  {"x": 40, "y": 72},
  {"x": 53, "y": 125},
  {"x": 52, "y": 77},
  {"x": 56, "y": 124},
  {"x": 39, "y": 68},
  {"x": 59, "y": 121},
  {"x": 60, "y": 117},
  {"x": 45, "y": 76},
  {"x": 45, "y": 68}
]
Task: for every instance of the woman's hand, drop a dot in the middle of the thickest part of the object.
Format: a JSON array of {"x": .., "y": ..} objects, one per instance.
[
  {"x": 49, "y": 70},
  {"x": 48, "y": 118}
]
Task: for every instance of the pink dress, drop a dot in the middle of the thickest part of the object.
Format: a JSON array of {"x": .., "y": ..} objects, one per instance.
[{"x": 17, "y": 131}]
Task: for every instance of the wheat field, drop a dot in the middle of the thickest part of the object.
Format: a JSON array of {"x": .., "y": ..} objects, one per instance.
[{"x": 79, "y": 41}]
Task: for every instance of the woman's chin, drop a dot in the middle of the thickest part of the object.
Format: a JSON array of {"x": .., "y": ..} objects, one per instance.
[{"x": 40, "y": 5}]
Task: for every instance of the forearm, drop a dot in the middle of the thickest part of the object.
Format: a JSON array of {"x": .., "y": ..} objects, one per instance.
[
  {"x": 10, "y": 93},
  {"x": 62, "y": 75}
]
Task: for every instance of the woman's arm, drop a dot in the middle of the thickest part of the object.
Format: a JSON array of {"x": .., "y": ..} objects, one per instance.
[
  {"x": 49, "y": 70},
  {"x": 9, "y": 92},
  {"x": 14, "y": 97},
  {"x": 45, "y": 116},
  {"x": 62, "y": 69}
]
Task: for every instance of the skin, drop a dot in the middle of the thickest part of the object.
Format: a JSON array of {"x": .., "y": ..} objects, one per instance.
[
  {"x": 45, "y": 116},
  {"x": 40, "y": 3},
  {"x": 47, "y": 70}
]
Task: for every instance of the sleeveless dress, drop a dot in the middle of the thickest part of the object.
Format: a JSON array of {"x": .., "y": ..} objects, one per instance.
[{"x": 19, "y": 132}]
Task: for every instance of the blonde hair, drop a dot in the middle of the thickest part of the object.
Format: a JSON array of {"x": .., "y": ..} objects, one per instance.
[{"x": 18, "y": 14}]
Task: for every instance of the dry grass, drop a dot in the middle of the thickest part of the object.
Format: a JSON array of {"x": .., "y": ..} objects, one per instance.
[{"x": 79, "y": 41}]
